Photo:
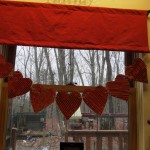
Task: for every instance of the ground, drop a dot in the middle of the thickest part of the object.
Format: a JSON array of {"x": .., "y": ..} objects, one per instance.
[{"x": 44, "y": 143}]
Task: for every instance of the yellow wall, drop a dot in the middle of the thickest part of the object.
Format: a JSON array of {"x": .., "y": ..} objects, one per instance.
[{"x": 133, "y": 4}]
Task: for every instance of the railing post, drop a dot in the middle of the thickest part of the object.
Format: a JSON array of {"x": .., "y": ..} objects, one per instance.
[
  {"x": 110, "y": 142},
  {"x": 88, "y": 143},
  {"x": 14, "y": 135},
  {"x": 66, "y": 137},
  {"x": 99, "y": 142},
  {"x": 120, "y": 142},
  {"x": 126, "y": 141}
]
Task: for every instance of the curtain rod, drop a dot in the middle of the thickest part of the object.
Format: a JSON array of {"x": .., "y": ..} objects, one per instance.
[{"x": 148, "y": 11}]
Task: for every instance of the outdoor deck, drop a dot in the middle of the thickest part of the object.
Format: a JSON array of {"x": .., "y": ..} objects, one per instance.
[
  {"x": 100, "y": 139},
  {"x": 93, "y": 137}
]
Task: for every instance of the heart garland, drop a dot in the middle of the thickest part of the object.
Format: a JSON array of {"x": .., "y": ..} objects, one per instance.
[
  {"x": 96, "y": 99},
  {"x": 68, "y": 103},
  {"x": 5, "y": 68},
  {"x": 119, "y": 88},
  {"x": 137, "y": 71},
  {"x": 41, "y": 97},
  {"x": 17, "y": 85}
]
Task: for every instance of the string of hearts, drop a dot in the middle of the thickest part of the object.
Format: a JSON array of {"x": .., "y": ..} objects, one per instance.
[
  {"x": 96, "y": 99},
  {"x": 68, "y": 103},
  {"x": 17, "y": 85},
  {"x": 42, "y": 96}
]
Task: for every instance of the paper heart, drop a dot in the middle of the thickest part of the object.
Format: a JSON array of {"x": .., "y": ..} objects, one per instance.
[
  {"x": 119, "y": 88},
  {"x": 68, "y": 103},
  {"x": 5, "y": 69},
  {"x": 41, "y": 97},
  {"x": 96, "y": 99},
  {"x": 18, "y": 87},
  {"x": 2, "y": 60},
  {"x": 18, "y": 74},
  {"x": 15, "y": 75},
  {"x": 137, "y": 71}
]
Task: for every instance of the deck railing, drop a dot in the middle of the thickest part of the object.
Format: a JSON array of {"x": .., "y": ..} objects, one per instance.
[{"x": 99, "y": 139}]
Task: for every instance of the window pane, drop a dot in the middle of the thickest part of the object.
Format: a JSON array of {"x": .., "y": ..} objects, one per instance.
[{"x": 48, "y": 128}]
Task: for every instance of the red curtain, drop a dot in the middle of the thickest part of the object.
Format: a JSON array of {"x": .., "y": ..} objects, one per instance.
[{"x": 77, "y": 27}]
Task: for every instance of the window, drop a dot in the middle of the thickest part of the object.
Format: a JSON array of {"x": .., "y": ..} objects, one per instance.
[{"x": 81, "y": 68}]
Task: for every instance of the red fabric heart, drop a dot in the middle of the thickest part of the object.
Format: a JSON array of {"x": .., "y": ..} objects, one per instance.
[
  {"x": 2, "y": 60},
  {"x": 68, "y": 103},
  {"x": 18, "y": 87},
  {"x": 96, "y": 99},
  {"x": 18, "y": 74},
  {"x": 5, "y": 69},
  {"x": 41, "y": 97},
  {"x": 119, "y": 88},
  {"x": 15, "y": 75},
  {"x": 137, "y": 71}
]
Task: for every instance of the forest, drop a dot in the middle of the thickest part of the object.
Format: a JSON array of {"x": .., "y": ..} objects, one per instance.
[{"x": 54, "y": 66}]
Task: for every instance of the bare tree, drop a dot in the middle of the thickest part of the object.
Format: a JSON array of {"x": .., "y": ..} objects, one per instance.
[
  {"x": 79, "y": 72},
  {"x": 49, "y": 67},
  {"x": 71, "y": 66},
  {"x": 109, "y": 77},
  {"x": 61, "y": 66},
  {"x": 38, "y": 62}
]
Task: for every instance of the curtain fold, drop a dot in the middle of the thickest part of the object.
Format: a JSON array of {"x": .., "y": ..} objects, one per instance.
[{"x": 77, "y": 27}]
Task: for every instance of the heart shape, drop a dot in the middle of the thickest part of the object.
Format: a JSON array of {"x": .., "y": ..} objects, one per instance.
[
  {"x": 119, "y": 88},
  {"x": 41, "y": 97},
  {"x": 96, "y": 99},
  {"x": 18, "y": 87},
  {"x": 15, "y": 75},
  {"x": 137, "y": 71},
  {"x": 68, "y": 103},
  {"x": 5, "y": 69},
  {"x": 2, "y": 60}
]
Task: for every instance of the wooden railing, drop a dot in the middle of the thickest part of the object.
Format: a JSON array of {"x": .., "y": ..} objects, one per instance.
[{"x": 99, "y": 139}]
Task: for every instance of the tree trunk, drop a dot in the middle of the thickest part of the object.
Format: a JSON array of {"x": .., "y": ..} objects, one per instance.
[
  {"x": 109, "y": 77},
  {"x": 79, "y": 72},
  {"x": 92, "y": 66},
  {"x": 71, "y": 66},
  {"x": 49, "y": 66}
]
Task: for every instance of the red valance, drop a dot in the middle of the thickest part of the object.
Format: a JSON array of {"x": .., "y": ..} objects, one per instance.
[{"x": 77, "y": 27}]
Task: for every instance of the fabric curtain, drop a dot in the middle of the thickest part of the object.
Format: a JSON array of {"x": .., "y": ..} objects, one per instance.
[{"x": 76, "y": 27}]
